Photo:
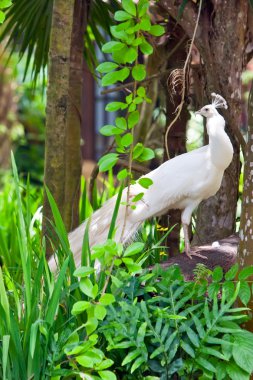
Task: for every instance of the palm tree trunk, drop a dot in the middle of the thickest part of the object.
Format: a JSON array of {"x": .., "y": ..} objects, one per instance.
[{"x": 62, "y": 157}]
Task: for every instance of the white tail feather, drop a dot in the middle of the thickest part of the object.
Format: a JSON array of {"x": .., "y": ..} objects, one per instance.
[{"x": 98, "y": 230}]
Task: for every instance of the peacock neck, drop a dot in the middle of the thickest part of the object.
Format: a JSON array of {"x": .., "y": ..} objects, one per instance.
[{"x": 221, "y": 149}]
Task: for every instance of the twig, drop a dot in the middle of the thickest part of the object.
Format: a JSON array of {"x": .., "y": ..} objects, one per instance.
[
  {"x": 180, "y": 106},
  {"x": 152, "y": 77}
]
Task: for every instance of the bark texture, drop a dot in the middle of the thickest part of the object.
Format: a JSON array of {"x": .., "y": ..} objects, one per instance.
[
  {"x": 246, "y": 226},
  {"x": 62, "y": 156},
  {"x": 220, "y": 39}
]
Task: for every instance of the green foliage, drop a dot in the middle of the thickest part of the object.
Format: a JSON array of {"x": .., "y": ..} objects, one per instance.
[
  {"x": 131, "y": 34},
  {"x": 3, "y": 5}
]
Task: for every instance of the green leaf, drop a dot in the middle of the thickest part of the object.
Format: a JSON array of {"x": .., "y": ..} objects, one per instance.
[
  {"x": 115, "y": 76},
  {"x": 213, "y": 289},
  {"x": 228, "y": 289},
  {"x": 133, "y": 249},
  {"x": 137, "y": 197},
  {"x": 83, "y": 271},
  {"x": 105, "y": 364},
  {"x": 79, "y": 307},
  {"x": 146, "y": 155},
  {"x": 131, "y": 55},
  {"x": 213, "y": 352},
  {"x": 142, "y": 7},
  {"x": 145, "y": 182},
  {"x": 230, "y": 275},
  {"x": 121, "y": 123},
  {"x": 122, "y": 174},
  {"x": 244, "y": 292},
  {"x": 139, "y": 72},
  {"x": 205, "y": 364},
  {"x": 107, "y": 162},
  {"x": 157, "y": 30},
  {"x": 127, "y": 139},
  {"x": 243, "y": 350},
  {"x": 188, "y": 349},
  {"x": 133, "y": 119},
  {"x": 91, "y": 325},
  {"x": 138, "y": 149},
  {"x": 107, "y": 299},
  {"x": 99, "y": 312},
  {"x": 236, "y": 373},
  {"x": 2, "y": 17},
  {"x": 131, "y": 356},
  {"x": 145, "y": 24},
  {"x": 5, "y": 3},
  {"x": 217, "y": 274},
  {"x": 129, "y": 7},
  {"x": 146, "y": 48},
  {"x": 246, "y": 272},
  {"x": 193, "y": 337},
  {"x": 110, "y": 130},
  {"x": 107, "y": 375},
  {"x": 106, "y": 67},
  {"x": 112, "y": 46},
  {"x": 86, "y": 287},
  {"x": 115, "y": 106},
  {"x": 141, "y": 91},
  {"x": 132, "y": 107},
  {"x": 122, "y": 16}
]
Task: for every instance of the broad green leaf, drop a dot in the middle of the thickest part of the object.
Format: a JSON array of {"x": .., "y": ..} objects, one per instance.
[
  {"x": 131, "y": 55},
  {"x": 199, "y": 326},
  {"x": 145, "y": 182},
  {"x": 115, "y": 106},
  {"x": 106, "y": 67},
  {"x": 213, "y": 289},
  {"x": 129, "y": 7},
  {"x": 107, "y": 162},
  {"x": 129, "y": 98},
  {"x": 105, "y": 364},
  {"x": 193, "y": 337},
  {"x": 138, "y": 149},
  {"x": 145, "y": 24},
  {"x": 99, "y": 312},
  {"x": 127, "y": 139},
  {"x": 107, "y": 375},
  {"x": 142, "y": 7},
  {"x": 230, "y": 275},
  {"x": 86, "y": 287},
  {"x": 133, "y": 119},
  {"x": 110, "y": 130},
  {"x": 217, "y": 274},
  {"x": 91, "y": 325},
  {"x": 115, "y": 76},
  {"x": 212, "y": 352},
  {"x": 121, "y": 123},
  {"x": 146, "y": 155},
  {"x": 157, "y": 30},
  {"x": 79, "y": 307},
  {"x": 139, "y": 72},
  {"x": 5, "y": 3},
  {"x": 146, "y": 48},
  {"x": 141, "y": 91},
  {"x": 243, "y": 351},
  {"x": 132, "y": 107},
  {"x": 83, "y": 271},
  {"x": 246, "y": 272},
  {"x": 2, "y": 17},
  {"x": 112, "y": 46},
  {"x": 122, "y": 16},
  {"x": 122, "y": 174},
  {"x": 236, "y": 373},
  {"x": 244, "y": 293},
  {"x": 137, "y": 41},
  {"x": 107, "y": 299},
  {"x": 228, "y": 288},
  {"x": 133, "y": 249}
]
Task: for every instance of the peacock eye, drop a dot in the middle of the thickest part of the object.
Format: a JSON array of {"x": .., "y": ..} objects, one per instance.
[{"x": 206, "y": 109}]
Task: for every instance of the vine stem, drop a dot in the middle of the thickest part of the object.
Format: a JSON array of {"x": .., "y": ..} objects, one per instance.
[{"x": 180, "y": 106}]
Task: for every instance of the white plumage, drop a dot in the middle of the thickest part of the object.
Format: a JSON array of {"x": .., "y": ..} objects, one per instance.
[{"x": 180, "y": 183}]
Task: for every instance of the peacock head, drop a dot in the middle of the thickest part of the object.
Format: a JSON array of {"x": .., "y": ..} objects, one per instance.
[{"x": 210, "y": 110}]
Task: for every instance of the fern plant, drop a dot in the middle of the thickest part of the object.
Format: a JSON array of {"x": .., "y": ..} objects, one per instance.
[{"x": 163, "y": 326}]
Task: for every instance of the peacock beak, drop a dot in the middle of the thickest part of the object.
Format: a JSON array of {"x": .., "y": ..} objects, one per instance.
[{"x": 198, "y": 112}]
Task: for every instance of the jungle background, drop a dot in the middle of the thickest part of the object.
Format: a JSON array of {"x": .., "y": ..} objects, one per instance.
[{"x": 52, "y": 107}]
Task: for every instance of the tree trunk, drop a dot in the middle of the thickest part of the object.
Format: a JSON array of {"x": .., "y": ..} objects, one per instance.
[
  {"x": 245, "y": 254},
  {"x": 221, "y": 42},
  {"x": 62, "y": 157}
]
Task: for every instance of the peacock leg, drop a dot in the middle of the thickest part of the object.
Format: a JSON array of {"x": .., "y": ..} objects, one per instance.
[{"x": 188, "y": 251}]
